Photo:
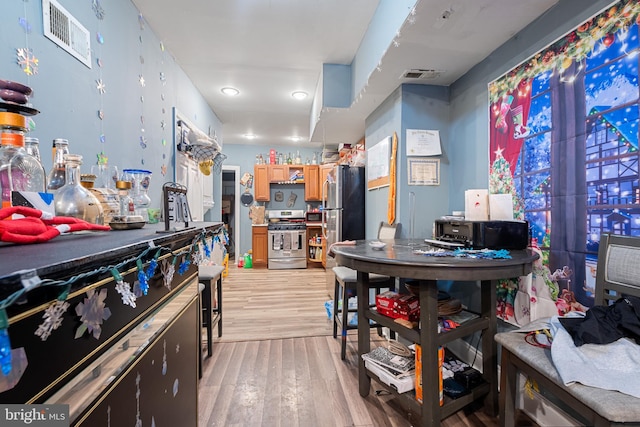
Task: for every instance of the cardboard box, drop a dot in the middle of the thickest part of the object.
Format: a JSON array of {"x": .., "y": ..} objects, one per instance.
[
  {"x": 402, "y": 385},
  {"x": 407, "y": 307},
  {"x": 385, "y": 303}
]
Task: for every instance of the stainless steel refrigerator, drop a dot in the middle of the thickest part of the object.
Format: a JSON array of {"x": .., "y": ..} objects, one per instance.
[{"x": 343, "y": 210}]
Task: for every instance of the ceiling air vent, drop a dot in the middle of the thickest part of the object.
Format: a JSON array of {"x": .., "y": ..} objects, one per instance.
[
  {"x": 421, "y": 74},
  {"x": 65, "y": 31}
]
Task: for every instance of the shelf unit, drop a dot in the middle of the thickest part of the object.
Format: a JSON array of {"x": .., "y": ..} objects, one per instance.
[{"x": 430, "y": 412}]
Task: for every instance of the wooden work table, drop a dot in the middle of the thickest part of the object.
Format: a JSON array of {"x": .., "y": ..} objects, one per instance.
[{"x": 398, "y": 259}]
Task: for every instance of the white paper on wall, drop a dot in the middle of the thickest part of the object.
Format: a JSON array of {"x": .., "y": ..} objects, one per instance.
[
  {"x": 476, "y": 205},
  {"x": 501, "y": 207}
]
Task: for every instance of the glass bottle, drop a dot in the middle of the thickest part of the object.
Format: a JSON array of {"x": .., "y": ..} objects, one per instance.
[
  {"x": 32, "y": 145},
  {"x": 57, "y": 175},
  {"x": 72, "y": 199},
  {"x": 127, "y": 207},
  {"x": 298, "y": 158},
  {"x": 289, "y": 160},
  {"x": 19, "y": 171}
]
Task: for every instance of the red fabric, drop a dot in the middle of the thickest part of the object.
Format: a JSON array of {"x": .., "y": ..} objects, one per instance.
[
  {"x": 37, "y": 227},
  {"x": 502, "y": 133}
]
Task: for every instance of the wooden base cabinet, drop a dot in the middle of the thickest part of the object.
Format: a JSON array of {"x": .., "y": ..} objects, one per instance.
[{"x": 259, "y": 246}]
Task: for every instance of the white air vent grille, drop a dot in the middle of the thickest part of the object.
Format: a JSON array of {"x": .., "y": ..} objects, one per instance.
[
  {"x": 65, "y": 31},
  {"x": 421, "y": 74}
]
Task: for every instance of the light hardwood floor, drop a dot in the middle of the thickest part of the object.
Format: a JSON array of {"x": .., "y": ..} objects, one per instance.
[{"x": 278, "y": 365}]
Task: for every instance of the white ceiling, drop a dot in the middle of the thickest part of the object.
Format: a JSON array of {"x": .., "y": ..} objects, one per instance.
[{"x": 269, "y": 48}]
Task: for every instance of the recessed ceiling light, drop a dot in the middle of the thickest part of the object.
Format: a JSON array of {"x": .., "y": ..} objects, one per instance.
[
  {"x": 230, "y": 91},
  {"x": 295, "y": 138},
  {"x": 299, "y": 95},
  {"x": 249, "y": 136}
]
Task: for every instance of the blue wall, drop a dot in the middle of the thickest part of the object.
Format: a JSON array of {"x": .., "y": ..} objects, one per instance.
[{"x": 65, "y": 90}]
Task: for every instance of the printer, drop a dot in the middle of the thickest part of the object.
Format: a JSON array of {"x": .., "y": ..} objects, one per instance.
[{"x": 483, "y": 234}]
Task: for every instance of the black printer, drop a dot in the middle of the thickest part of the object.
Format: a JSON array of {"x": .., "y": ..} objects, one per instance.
[{"x": 484, "y": 234}]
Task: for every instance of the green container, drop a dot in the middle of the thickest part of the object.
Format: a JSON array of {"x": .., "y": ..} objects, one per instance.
[{"x": 248, "y": 263}]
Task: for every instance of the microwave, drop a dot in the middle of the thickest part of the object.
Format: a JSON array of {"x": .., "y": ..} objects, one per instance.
[{"x": 313, "y": 217}]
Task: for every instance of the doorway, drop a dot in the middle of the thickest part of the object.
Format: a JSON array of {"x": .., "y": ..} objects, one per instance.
[{"x": 231, "y": 208}]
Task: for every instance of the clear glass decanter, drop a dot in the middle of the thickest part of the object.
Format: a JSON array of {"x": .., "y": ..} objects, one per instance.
[{"x": 72, "y": 199}]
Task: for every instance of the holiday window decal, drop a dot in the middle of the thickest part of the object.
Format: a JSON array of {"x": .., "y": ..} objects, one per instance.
[{"x": 563, "y": 141}]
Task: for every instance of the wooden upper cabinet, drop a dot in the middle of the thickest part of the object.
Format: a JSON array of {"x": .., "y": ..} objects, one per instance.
[
  {"x": 261, "y": 183},
  {"x": 324, "y": 171},
  {"x": 312, "y": 183},
  {"x": 279, "y": 173}
]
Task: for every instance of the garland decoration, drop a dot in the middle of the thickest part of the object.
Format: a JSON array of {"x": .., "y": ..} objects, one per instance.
[{"x": 92, "y": 310}]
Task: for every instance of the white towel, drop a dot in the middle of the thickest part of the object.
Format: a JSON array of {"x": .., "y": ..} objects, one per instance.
[{"x": 611, "y": 366}]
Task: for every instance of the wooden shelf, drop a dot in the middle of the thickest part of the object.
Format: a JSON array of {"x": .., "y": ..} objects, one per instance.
[{"x": 315, "y": 245}]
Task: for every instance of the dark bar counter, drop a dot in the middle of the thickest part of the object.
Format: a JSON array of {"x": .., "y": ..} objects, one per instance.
[{"x": 81, "y": 263}]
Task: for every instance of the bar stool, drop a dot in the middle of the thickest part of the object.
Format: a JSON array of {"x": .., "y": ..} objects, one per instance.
[
  {"x": 345, "y": 286},
  {"x": 211, "y": 312}
]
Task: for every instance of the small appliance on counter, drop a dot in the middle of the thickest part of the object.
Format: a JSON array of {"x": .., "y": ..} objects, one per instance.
[{"x": 483, "y": 234}]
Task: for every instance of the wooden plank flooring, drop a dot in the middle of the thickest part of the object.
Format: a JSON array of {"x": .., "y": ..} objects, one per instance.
[{"x": 278, "y": 365}]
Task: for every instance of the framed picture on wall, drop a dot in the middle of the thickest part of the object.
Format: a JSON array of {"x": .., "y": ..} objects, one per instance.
[{"x": 423, "y": 171}]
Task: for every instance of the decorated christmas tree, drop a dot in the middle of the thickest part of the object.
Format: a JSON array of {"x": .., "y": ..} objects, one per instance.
[{"x": 501, "y": 182}]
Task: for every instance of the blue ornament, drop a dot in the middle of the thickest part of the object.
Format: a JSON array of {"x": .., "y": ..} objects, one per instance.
[
  {"x": 5, "y": 344},
  {"x": 184, "y": 266},
  {"x": 144, "y": 285},
  {"x": 153, "y": 264}
]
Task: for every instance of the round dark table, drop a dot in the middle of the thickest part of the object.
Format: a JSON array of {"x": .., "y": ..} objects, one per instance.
[{"x": 399, "y": 259}]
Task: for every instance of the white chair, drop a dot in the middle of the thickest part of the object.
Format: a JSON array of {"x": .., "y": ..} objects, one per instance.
[{"x": 345, "y": 287}]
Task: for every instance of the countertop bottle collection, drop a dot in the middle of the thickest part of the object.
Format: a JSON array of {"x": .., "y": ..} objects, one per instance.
[{"x": 21, "y": 170}]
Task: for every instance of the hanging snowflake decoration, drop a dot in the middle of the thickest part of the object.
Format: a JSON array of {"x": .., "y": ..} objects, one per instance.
[
  {"x": 128, "y": 297},
  {"x": 97, "y": 9},
  {"x": 52, "y": 319},
  {"x": 163, "y": 124},
  {"x": 92, "y": 313},
  {"x": 163, "y": 169},
  {"x": 143, "y": 141},
  {"x": 168, "y": 270},
  {"x": 102, "y": 158},
  {"x": 100, "y": 38},
  {"x": 101, "y": 86},
  {"x": 141, "y": 80},
  {"x": 197, "y": 257},
  {"x": 27, "y": 61},
  {"x": 163, "y": 78},
  {"x": 25, "y": 25}
]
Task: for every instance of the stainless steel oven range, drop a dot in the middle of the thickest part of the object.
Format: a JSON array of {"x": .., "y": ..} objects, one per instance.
[{"x": 287, "y": 234}]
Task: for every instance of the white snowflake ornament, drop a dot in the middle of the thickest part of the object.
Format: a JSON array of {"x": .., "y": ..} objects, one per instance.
[
  {"x": 92, "y": 312},
  {"x": 52, "y": 319},
  {"x": 128, "y": 297},
  {"x": 168, "y": 270}
]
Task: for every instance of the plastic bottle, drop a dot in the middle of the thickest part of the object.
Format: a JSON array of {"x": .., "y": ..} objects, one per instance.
[
  {"x": 72, "y": 199},
  {"x": 57, "y": 174}
]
